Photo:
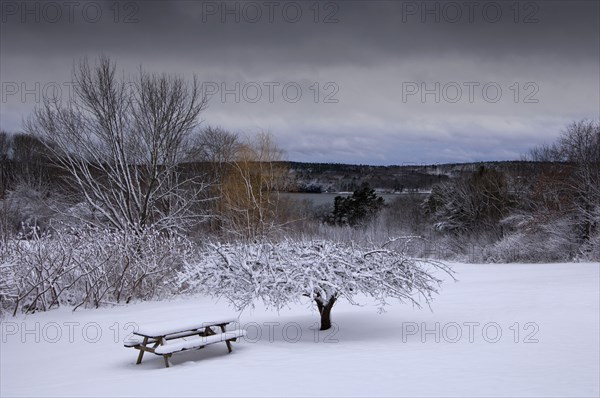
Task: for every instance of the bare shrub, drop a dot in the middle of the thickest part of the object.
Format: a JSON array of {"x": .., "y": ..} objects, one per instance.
[{"x": 89, "y": 267}]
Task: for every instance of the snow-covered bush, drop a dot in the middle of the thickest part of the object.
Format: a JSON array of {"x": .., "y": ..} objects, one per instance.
[
  {"x": 88, "y": 267},
  {"x": 280, "y": 273},
  {"x": 591, "y": 249},
  {"x": 535, "y": 239},
  {"x": 472, "y": 204},
  {"x": 27, "y": 209}
]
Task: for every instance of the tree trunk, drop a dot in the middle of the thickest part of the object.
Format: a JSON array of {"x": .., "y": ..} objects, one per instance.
[{"x": 325, "y": 311}]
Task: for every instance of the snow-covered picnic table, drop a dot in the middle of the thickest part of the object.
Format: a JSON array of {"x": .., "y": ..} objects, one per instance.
[{"x": 167, "y": 338}]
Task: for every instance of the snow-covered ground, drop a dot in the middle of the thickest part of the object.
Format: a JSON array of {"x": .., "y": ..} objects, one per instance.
[{"x": 502, "y": 330}]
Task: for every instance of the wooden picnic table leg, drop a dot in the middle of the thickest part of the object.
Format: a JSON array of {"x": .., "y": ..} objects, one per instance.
[
  {"x": 165, "y": 356},
  {"x": 141, "y": 354},
  {"x": 226, "y": 341}
]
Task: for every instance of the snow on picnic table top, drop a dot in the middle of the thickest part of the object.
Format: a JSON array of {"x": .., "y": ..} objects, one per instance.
[{"x": 163, "y": 328}]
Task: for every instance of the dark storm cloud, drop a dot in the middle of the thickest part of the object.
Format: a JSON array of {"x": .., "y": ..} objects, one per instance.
[
  {"x": 369, "y": 54},
  {"x": 385, "y": 28}
]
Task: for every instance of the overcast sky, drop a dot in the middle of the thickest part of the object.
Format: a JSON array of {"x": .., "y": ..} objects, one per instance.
[{"x": 372, "y": 82}]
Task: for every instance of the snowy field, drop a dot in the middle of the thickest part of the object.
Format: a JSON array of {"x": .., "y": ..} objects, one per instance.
[{"x": 502, "y": 330}]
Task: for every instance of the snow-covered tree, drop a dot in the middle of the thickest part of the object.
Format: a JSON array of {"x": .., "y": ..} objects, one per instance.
[
  {"x": 324, "y": 271},
  {"x": 122, "y": 141},
  {"x": 580, "y": 146},
  {"x": 567, "y": 194},
  {"x": 475, "y": 203}
]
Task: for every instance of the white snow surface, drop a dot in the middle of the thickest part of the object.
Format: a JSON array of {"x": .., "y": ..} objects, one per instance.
[{"x": 403, "y": 352}]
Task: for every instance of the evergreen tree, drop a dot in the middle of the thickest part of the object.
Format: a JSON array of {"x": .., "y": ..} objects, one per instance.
[{"x": 357, "y": 208}]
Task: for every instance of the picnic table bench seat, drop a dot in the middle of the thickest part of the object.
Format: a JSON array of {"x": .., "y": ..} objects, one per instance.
[
  {"x": 158, "y": 337},
  {"x": 132, "y": 341},
  {"x": 196, "y": 343}
]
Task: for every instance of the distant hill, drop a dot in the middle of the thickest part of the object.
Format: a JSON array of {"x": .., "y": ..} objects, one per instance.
[
  {"x": 23, "y": 158},
  {"x": 337, "y": 177}
]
